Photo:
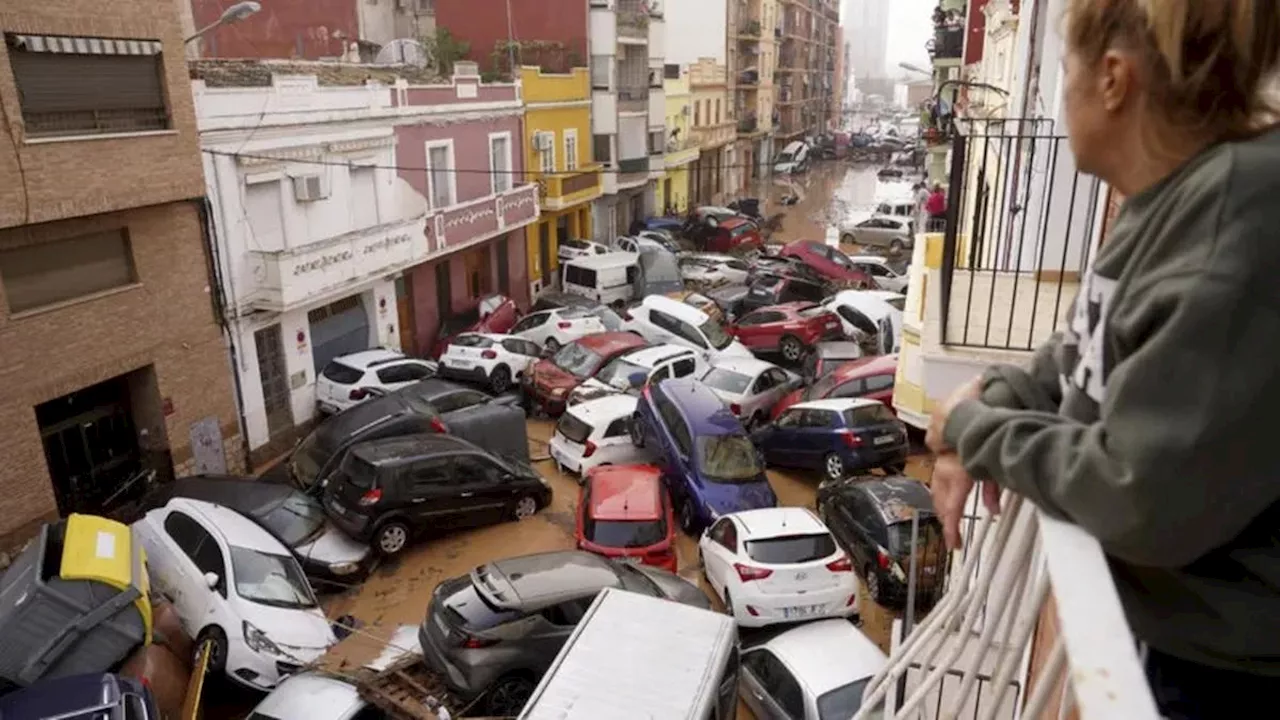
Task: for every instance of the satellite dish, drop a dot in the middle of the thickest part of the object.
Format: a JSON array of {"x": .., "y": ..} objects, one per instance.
[{"x": 404, "y": 52}]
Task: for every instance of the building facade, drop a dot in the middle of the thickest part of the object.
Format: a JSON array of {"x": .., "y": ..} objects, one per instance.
[
  {"x": 673, "y": 193},
  {"x": 342, "y": 207},
  {"x": 111, "y": 349},
  {"x": 557, "y": 142},
  {"x": 714, "y": 131},
  {"x": 752, "y": 52},
  {"x": 549, "y": 33}
]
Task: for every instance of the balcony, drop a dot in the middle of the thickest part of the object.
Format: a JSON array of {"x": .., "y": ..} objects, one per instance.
[
  {"x": 749, "y": 30},
  {"x": 748, "y": 78},
  {"x": 748, "y": 125},
  {"x": 947, "y": 43},
  {"x": 680, "y": 152},
  {"x": 633, "y": 21},
  {"x": 709, "y": 137},
  {"x": 633, "y": 99},
  {"x": 566, "y": 189},
  {"x": 633, "y": 172}
]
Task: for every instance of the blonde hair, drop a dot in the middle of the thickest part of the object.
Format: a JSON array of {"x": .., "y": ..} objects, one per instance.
[{"x": 1210, "y": 65}]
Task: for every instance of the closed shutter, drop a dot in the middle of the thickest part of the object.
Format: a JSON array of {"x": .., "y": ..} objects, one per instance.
[
  {"x": 64, "y": 93},
  {"x": 338, "y": 329}
]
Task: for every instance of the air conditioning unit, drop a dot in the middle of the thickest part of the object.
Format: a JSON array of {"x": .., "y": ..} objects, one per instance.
[
  {"x": 543, "y": 141},
  {"x": 309, "y": 188}
]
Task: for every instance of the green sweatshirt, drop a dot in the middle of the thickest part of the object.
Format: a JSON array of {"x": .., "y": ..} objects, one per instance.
[{"x": 1152, "y": 413}]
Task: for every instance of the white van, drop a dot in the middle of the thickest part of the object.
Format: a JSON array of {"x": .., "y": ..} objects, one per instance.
[
  {"x": 616, "y": 666},
  {"x": 793, "y": 158},
  {"x": 871, "y": 311},
  {"x": 609, "y": 279}
]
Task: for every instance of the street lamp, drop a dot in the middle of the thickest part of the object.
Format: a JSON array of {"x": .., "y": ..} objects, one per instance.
[{"x": 232, "y": 14}]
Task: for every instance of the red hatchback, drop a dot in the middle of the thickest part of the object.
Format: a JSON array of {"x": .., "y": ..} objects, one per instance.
[
  {"x": 624, "y": 512},
  {"x": 830, "y": 262},
  {"x": 787, "y": 329},
  {"x": 870, "y": 378},
  {"x": 735, "y": 234},
  {"x": 551, "y": 380},
  {"x": 493, "y": 314}
]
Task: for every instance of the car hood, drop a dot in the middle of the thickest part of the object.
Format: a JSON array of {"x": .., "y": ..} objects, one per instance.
[
  {"x": 333, "y": 547},
  {"x": 725, "y": 498},
  {"x": 289, "y": 628},
  {"x": 729, "y": 397},
  {"x": 735, "y": 349},
  {"x": 548, "y": 375},
  {"x": 787, "y": 401},
  {"x": 674, "y": 587}
]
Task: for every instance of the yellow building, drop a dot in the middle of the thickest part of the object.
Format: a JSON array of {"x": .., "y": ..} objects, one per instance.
[
  {"x": 672, "y": 191},
  {"x": 557, "y": 143},
  {"x": 713, "y": 130}
]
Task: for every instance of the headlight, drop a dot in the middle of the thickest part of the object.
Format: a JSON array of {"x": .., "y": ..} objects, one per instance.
[
  {"x": 258, "y": 640},
  {"x": 345, "y": 568}
]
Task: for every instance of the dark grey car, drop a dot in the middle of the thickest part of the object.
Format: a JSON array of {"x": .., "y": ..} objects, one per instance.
[{"x": 495, "y": 632}]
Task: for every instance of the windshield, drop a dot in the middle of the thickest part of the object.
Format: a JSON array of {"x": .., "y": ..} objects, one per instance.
[
  {"x": 716, "y": 334},
  {"x": 784, "y": 158},
  {"x": 898, "y": 303},
  {"x": 727, "y": 381},
  {"x": 845, "y": 701},
  {"x": 612, "y": 321},
  {"x": 309, "y": 457},
  {"x": 660, "y": 271},
  {"x": 625, "y": 533},
  {"x": 274, "y": 580},
  {"x": 868, "y": 415},
  {"x": 294, "y": 521},
  {"x": 618, "y": 371},
  {"x": 728, "y": 458},
  {"x": 573, "y": 428},
  {"x": 636, "y": 581},
  {"x": 820, "y": 389},
  {"x": 577, "y": 360}
]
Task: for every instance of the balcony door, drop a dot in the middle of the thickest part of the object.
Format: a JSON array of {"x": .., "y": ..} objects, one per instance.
[{"x": 476, "y": 267}]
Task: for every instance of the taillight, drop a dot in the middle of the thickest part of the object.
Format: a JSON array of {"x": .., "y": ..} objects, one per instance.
[
  {"x": 357, "y": 394},
  {"x": 589, "y": 450},
  {"x": 371, "y": 497},
  {"x": 851, "y": 438},
  {"x": 565, "y": 325},
  {"x": 841, "y": 565},
  {"x": 735, "y": 408},
  {"x": 474, "y": 643},
  {"x": 746, "y": 573},
  {"x": 884, "y": 560},
  {"x": 438, "y": 425},
  {"x": 489, "y": 355}
]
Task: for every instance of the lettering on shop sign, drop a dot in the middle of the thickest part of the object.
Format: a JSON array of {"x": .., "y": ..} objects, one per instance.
[
  {"x": 387, "y": 243},
  {"x": 322, "y": 263}
]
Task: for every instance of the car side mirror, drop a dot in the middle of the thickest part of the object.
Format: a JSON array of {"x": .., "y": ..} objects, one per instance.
[
  {"x": 637, "y": 379},
  {"x": 211, "y": 580}
]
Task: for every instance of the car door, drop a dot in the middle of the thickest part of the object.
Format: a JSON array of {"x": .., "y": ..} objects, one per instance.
[
  {"x": 719, "y": 552},
  {"x": 779, "y": 439},
  {"x": 759, "y": 330},
  {"x": 483, "y": 490},
  {"x": 763, "y": 392},
  {"x": 867, "y": 232},
  {"x": 817, "y": 436},
  {"x": 662, "y": 328},
  {"x": 879, "y": 387},
  {"x": 430, "y": 493},
  {"x": 524, "y": 353},
  {"x": 198, "y": 554},
  {"x": 772, "y": 692},
  {"x": 533, "y": 327},
  {"x": 856, "y": 515},
  {"x": 396, "y": 375}
]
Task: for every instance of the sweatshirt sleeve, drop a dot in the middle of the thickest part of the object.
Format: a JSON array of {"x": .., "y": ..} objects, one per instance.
[
  {"x": 1183, "y": 456},
  {"x": 1035, "y": 387}
]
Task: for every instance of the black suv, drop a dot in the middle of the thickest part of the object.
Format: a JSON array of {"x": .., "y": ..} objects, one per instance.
[
  {"x": 778, "y": 289},
  {"x": 386, "y": 491}
]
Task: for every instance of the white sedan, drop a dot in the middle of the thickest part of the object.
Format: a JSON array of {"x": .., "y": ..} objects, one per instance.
[
  {"x": 750, "y": 387},
  {"x": 878, "y": 268},
  {"x": 236, "y": 586},
  {"x": 777, "y": 565},
  {"x": 814, "y": 671},
  {"x": 348, "y": 379},
  {"x": 498, "y": 361},
  {"x": 574, "y": 249},
  {"x": 712, "y": 269},
  {"x": 556, "y": 328}
]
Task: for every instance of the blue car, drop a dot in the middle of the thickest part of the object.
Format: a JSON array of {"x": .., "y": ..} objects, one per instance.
[
  {"x": 96, "y": 695},
  {"x": 708, "y": 462},
  {"x": 837, "y": 436}
]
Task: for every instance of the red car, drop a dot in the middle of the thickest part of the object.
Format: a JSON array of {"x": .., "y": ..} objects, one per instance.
[
  {"x": 736, "y": 234},
  {"x": 493, "y": 314},
  {"x": 787, "y": 328},
  {"x": 830, "y": 262},
  {"x": 866, "y": 378},
  {"x": 551, "y": 380},
  {"x": 624, "y": 512}
]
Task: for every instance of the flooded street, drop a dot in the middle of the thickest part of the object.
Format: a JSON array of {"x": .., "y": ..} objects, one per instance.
[{"x": 829, "y": 193}]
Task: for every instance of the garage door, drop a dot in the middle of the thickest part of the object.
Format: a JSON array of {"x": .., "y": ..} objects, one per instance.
[{"x": 338, "y": 329}]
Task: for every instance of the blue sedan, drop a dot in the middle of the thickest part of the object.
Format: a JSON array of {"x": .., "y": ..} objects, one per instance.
[{"x": 838, "y": 436}]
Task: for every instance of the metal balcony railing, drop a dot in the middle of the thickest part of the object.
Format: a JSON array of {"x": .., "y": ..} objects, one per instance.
[{"x": 947, "y": 43}]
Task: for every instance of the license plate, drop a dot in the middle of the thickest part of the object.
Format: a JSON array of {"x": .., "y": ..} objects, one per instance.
[
  {"x": 884, "y": 440},
  {"x": 800, "y": 611},
  {"x": 457, "y": 363}
]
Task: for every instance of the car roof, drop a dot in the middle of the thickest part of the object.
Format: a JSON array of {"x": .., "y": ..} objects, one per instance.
[
  {"x": 827, "y": 654},
  {"x": 896, "y": 498},
  {"x": 870, "y": 259},
  {"x": 744, "y": 365},
  {"x": 606, "y": 408},
  {"x": 734, "y": 222},
  {"x": 236, "y": 529},
  {"x": 836, "y": 404},
  {"x": 536, "y": 581},
  {"x": 309, "y": 694},
  {"x": 626, "y": 492},
  {"x": 610, "y": 343},
  {"x": 394, "y": 450},
  {"x": 243, "y": 494},
  {"x": 680, "y": 310},
  {"x": 497, "y": 337},
  {"x": 366, "y": 359},
  {"x": 839, "y": 348},
  {"x": 613, "y": 259},
  {"x": 773, "y": 522},
  {"x": 874, "y": 365},
  {"x": 54, "y": 697},
  {"x": 700, "y": 405},
  {"x": 652, "y": 355}
]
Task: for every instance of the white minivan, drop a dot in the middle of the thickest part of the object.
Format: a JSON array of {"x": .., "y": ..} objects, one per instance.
[
  {"x": 793, "y": 158},
  {"x": 637, "y": 656},
  {"x": 609, "y": 279}
]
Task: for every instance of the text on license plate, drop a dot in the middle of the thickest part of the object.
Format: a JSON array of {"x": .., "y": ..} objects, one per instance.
[
  {"x": 800, "y": 611},
  {"x": 453, "y": 362},
  {"x": 884, "y": 440}
]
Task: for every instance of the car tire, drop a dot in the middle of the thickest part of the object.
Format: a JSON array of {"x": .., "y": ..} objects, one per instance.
[
  {"x": 524, "y": 507},
  {"x": 391, "y": 538},
  {"x": 500, "y": 379},
  {"x": 552, "y": 345},
  {"x": 874, "y": 591},
  {"x": 896, "y": 246},
  {"x": 791, "y": 348},
  {"x": 833, "y": 467},
  {"x": 848, "y": 239},
  {"x": 687, "y": 519},
  {"x": 636, "y": 431},
  {"x": 217, "y": 650},
  {"x": 508, "y": 695}
]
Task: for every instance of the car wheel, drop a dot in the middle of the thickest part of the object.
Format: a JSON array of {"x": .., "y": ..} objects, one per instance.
[
  {"x": 507, "y": 697},
  {"x": 687, "y": 520},
  {"x": 500, "y": 379},
  {"x": 847, "y": 239},
  {"x": 896, "y": 246},
  {"x": 217, "y": 649},
  {"x": 636, "y": 431},
  {"x": 833, "y": 467},
  {"x": 552, "y": 345},
  {"x": 790, "y": 348},
  {"x": 524, "y": 507},
  {"x": 391, "y": 538},
  {"x": 873, "y": 585}
]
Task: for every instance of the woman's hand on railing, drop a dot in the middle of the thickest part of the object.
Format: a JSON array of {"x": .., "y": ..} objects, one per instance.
[{"x": 950, "y": 483}]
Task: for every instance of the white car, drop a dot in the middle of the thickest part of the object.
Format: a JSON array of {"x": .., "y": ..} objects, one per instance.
[
  {"x": 896, "y": 234},
  {"x": 637, "y": 244},
  {"x": 878, "y": 268},
  {"x": 631, "y": 371},
  {"x": 346, "y": 380},
  {"x": 498, "y": 361},
  {"x": 813, "y": 671},
  {"x": 661, "y": 320},
  {"x": 571, "y": 249},
  {"x": 236, "y": 586},
  {"x": 553, "y": 329},
  {"x": 777, "y": 565},
  {"x": 713, "y": 269},
  {"x": 597, "y": 432},
  {"x": 875, "y": 313},
  {"x": 750, "y": 387}
]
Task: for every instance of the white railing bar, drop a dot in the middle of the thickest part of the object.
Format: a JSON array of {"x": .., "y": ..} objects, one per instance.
[
  {"x": 1047, "y": 681},
  {"x": 1025, "y": 626},
  {"x": 1068, "y": 702},
  {"x": 1105, "y": 671}
]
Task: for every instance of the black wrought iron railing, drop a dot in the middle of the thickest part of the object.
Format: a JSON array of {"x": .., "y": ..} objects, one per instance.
[{"x": 1019, "y": 226}]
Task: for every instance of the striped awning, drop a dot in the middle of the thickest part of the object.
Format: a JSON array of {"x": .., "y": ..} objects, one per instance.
[{"x": 84, "y": 45}]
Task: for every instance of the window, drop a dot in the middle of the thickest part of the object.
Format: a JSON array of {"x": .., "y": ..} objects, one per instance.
[
  {"x": 657, "y": 142},
  {"x": 442, "y": 188},
  {"x": 671, "y": 71},
  {"x": 571, "y": 149},
  {"x": 500, "y": 162},
  {"x": 431, "y": 474},
  {"x": 618, "y": 428},
  {"x": 46, "y": 273},
  {"x": 264, "y": 215},
  {"x": 186, "y": 533},
  {"x": 364, "y": 199},
  {"x": 521, "y": 347},
  {"x": 717, "y": 111},
  {"x": 879, "y": 382},
  {"x": 697, "y": 113},
  {"x": 475, "y": 470},
  {"x": 568, "y": 613},
  {"x": 726, "y": 534},
  {"x": 601, "y": 72},
  {"x": 545, "y": 142},
  {"x": 459, "y": 400},
  {"x": 601, "y": 151},
  {"x": 404, "y": 372},
  {"x": 776, "y": 681},
  {"x": 88, "y": 86}
]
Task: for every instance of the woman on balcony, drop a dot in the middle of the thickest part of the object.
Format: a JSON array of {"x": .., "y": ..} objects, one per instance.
[{"x": 1149, "y": 421}]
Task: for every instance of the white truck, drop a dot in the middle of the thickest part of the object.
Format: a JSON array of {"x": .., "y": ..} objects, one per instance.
[{"x": 634, "y": 656}]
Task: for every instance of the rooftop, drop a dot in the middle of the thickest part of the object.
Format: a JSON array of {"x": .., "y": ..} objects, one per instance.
[{"x": 257, "y": 73}]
